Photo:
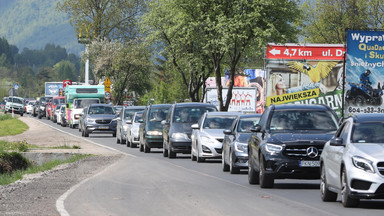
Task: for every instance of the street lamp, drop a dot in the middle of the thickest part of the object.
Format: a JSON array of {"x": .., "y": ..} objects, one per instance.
[{"x": 85, "y": 40}]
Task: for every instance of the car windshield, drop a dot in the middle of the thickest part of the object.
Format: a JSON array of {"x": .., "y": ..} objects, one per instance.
[
  {"x": 190, "y": 114},
  {"x": 62, "y": 108},
  {"x": 372, "y": 132},
  {"x": 246, "y": 124},
  {"x": 129, "y": 113},
  {"x": 101, "y": 110},
  {"x": 16, "y": 100},
  {"x": 303, "y": 120},
  {"x": 158, "y": 114},
  {"x": 218, "y": 122},
  {"x": 138, "y": 117},
  {"x": 82, "y": 103},
  {"x": 58, "y": 101}
]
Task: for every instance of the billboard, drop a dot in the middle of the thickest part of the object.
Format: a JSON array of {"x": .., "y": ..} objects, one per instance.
[
  {"x": 364, "y": 72},
  {"x": 52, "y": 89},
  {"x": 243, "y": 99},
  {"x": 305, "y": 74}
]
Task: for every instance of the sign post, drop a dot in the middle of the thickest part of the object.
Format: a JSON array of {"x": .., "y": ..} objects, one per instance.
[{"x": 107, "y": 86}]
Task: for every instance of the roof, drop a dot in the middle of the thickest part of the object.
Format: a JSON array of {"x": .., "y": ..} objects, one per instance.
[
  {"x": 369, "y": 117},
  {"x": 250, "y": 115},
  {"x": 301, "y": 107},
  {"x": 191, "y": 104},
  {"x": 223, "y": 113},
  {"x": 106, "y": 105},
  {"x": 134, "y": 107}
]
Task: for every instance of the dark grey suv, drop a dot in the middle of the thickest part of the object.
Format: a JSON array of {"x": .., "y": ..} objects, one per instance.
[
  {"x": 177, "y": 128},
  {"x": 99, "y": 118},
  {"x": 288, "y": 141}
]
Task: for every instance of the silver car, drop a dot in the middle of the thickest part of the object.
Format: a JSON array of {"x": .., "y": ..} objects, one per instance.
[
  {"x": 122, "y": 128},
  {"x": 352, "y": 162},
  {"x": 207, "y": 134},
  {"x": 133, "y": 130}
]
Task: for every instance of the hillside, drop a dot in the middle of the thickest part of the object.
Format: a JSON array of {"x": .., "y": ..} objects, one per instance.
[{"x": 34, "y": 23}]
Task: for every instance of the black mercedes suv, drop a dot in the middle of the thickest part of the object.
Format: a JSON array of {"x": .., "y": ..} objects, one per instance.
[{"x": 288, "y": 141}]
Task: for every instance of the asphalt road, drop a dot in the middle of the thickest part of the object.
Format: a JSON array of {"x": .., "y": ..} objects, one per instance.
[{"x": 148, "y": 184}]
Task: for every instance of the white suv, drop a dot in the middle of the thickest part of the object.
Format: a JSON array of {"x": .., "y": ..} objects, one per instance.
[
  {"x": 352, "y": 162},
  {"x": 17, "y": 103}
]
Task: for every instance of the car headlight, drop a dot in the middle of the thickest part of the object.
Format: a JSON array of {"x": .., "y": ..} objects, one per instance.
[
  {"x": 154, "y": 133},
  {"x": 77, "y": 116},
  {"x": 180, "y": 136},
  {"x": 241, "y": 147},
  {"x": 91, "y": 120},
  {"x": 273, "y": 149},
  {"x": 362, "y": 163},
  {"x": 207, "y": 139}
]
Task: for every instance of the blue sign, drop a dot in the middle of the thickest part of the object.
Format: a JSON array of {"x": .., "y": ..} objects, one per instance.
[
  {"x": 364, "y": 72},
  {"x": 16, "y": 86}
]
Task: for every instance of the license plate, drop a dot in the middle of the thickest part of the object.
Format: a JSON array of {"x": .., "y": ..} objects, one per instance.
[
  {"x": 103, "y": 127},
  {"x": 309, "y": 163}
]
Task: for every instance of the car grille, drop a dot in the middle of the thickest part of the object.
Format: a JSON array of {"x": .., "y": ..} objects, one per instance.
[
  {"x": 300, "y": 151},
  {"x": 104, "y": 121},
  {"x": 380, "y": 167}
]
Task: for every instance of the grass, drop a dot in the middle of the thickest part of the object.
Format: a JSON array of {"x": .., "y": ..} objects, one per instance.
[
  {"x": 11, "y": 126},
  {"x": 22, "y": 146},
  {"x": 11, "y": 177}
]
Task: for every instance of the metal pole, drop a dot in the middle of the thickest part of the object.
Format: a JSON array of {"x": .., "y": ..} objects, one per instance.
[{"x": 86, "y": 67}]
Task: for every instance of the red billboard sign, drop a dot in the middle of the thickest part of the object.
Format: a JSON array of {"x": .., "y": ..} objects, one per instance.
[
  {"x": 66, "y": 82},
  {"x": 313, "y": 51}
]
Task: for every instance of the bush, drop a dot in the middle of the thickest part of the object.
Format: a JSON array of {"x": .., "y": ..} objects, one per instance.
[{"x": 11, "y": 161}]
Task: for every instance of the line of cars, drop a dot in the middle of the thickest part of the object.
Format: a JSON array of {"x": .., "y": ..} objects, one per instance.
[{"x": 285, "y": 142}]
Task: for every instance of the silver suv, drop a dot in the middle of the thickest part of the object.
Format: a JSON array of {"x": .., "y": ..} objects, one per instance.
[
  {"x": 352, "y": 162},
  {"x": 15, "y": 103}
]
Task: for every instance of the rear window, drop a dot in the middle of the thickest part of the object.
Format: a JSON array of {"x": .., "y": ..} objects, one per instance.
[
  {"x": 58, "y": 101},
  {"x": 129, "y": 113},
  {"x": 190, "y": 114},
  {"x": 158, "y": 114}
]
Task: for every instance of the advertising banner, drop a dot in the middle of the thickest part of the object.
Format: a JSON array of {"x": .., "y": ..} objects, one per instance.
[
  {"x": 243, "y": 99},
  {"x": 364, "y": 72},
  {"x": 305, "y": 74},
  {"x": 52, "y": 89}
]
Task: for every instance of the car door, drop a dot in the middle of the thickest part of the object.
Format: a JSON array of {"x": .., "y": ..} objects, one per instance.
[
  {"x": 119, "y": 124},
  {"x": 334, "y": 155}
]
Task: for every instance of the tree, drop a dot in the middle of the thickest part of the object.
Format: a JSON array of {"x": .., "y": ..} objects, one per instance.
[
  {"x": 99, "y": 19},
  {"x": 64, "y": 70},
  {"x": 326, "y": 21},
  {"x": 199, "y": 35}
]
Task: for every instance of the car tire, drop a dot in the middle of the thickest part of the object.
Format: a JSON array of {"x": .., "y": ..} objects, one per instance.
[
  {"x": 165, "y": 151},
  {"x": 128, "y": 143},
  {"x": 198, "y": 158},
  {"x": 141, "y": 148},
  {"x": 114, "y": 134},
  {"x": 265, "y": 180},
  {"x": 86, "y": 134},
  {"x": 193, "y": 157},
  {"x": 117, "y": 140},
  {"x": 147, "y": 149},
  {"x": 232, "y": 168},
  {"x": 326, "y": 195},
  {"x": 253, "y": 176},
  {"x": 346, "y": 200},
  {"x": 359, "y": 101},
  {"x": 224, "y": 165},
  {"x": 82, "y": 133},
  {"x": 171, "y": 154}
]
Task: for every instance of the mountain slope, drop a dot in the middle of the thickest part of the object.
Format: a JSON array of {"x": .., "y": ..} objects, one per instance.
[{"x": 34, "y": 23}]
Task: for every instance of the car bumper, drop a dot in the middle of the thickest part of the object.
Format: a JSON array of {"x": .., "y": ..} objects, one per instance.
[
  {"x": 240, "y": 159},
  {"x": 180, "y": 146},
  {"x": 154, "y": 141},
  {"x": 290, "y": 168},
  {"x": 101, "y": 129},
  {"x": 210, "y": 150}
]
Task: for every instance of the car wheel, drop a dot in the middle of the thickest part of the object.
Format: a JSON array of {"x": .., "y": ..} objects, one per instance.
[
  {"x": 253, "y": 176},
  {"x": 147, "y": 149},
  {"x": 232, "y": 168},
  {"x": 141, "y": 148},
  {"x": 198, "y": 158},
  {"x": 193, "y": 157},
  {"x": 171, "y": 154},
  {"x": 359, "y": 100},
  {"x": 326, "y": 195},
  {"x": 265, "y": 180},
  {"x": 128, "y": 143},
  {"x": 224, "y": 165},
  {"x": 346, "y": 200},
  {"x": 165, "y": 151},
  {"x": 21, "y": 114},
  {"x": 117, "y": 140},
  {"x": 114, "y": 134},
  {"x": 86, "y": 134},
  {"x": 39, "y": 116}
]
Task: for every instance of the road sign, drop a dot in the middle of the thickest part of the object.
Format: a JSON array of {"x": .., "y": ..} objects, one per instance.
[
  {"x": 16, "y": 86},
  {"x": 107, "y": 95},
  {"x": 107, "y": 84}
]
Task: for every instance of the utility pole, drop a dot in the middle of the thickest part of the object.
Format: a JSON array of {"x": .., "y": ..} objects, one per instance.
[{"x": 85, "y": 39}]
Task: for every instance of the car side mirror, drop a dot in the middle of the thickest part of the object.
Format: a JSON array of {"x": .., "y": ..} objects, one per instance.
[
  {"x": 195, "y": 126},
  {"x": 227, "y": 132},
  {"x": 128, "y": 121},
  {"x": 256, "y": 129},
  {"x": 338, "y": 141},
  {"x": 164, "y": 122}
]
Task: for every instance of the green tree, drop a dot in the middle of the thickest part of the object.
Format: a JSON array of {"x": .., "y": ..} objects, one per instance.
[
  {"x": 326, "y": 21},
  {"x": 199, "y": 35},
  {"x": 99, "y": 19},
  {"x": 64, "y": 70}
]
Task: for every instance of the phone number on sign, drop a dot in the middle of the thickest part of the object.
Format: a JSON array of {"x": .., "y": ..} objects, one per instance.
[{"x": 366, "y": 110}]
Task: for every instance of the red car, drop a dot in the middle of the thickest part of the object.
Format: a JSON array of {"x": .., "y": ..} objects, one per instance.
[{"x": 55, "y": 101}]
